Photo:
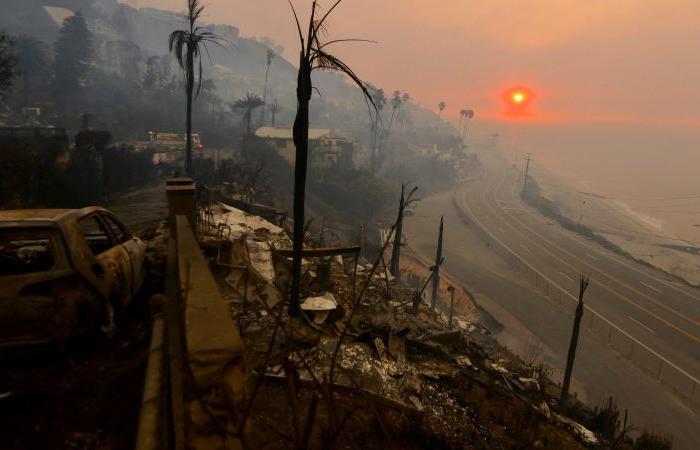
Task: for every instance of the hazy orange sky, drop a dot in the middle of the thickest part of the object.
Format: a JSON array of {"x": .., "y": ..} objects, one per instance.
[{"x": 602, "y": 61}]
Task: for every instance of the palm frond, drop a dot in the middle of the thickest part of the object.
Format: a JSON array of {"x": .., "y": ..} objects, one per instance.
[
  {"x": 310, "y": 38},
  {"x": 336, "y": 41},
  {"x": 326, "y": 61},
  {"x": 320, "y": 25},
  {"x": 296, "y": 18}
]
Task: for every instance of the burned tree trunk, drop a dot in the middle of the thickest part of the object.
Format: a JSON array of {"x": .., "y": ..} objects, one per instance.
[
  {"x": 190, "y": 93},
  {"x": 396, "y": 247},
  {"x": 301, "y": 142},
  {"x": 572, "y": 345},
  {"x": 436, "y": 268}
]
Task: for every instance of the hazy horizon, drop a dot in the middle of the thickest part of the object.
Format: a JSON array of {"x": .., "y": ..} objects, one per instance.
[{"x": 629, "y": 62}]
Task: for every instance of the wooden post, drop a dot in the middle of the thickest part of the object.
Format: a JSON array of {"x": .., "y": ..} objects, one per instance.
[
  {"x": 436, "y": 268},
  {"x": 572, "y": 345},
  {"x": 451, "y": 289}
]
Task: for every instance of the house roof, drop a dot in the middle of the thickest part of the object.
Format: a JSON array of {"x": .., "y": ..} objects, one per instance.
[{"x": 286, "y": 133}]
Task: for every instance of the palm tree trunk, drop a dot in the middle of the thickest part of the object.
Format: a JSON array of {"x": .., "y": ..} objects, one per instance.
[
  {"x": 188, "y": 137},
  {"x": 262, "y": 114},
  {"x": 301, "y": 142}
]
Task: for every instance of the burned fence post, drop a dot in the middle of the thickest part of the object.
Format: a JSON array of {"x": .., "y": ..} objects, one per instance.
[
  {"x": 436, "y": 269},
  {"x": 584, "y": 281}
]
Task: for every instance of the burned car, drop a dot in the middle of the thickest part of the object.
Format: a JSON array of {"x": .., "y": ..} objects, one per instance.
[{"x": 63, "y": 272}]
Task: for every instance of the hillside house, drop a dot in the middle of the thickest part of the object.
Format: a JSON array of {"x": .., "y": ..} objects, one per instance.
[{"x": 325, "y": 150}]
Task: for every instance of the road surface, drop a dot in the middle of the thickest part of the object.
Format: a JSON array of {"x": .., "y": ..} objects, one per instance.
[{"x": 655, "y": 310}]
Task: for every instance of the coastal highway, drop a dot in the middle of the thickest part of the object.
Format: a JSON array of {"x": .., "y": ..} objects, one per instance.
[
  {"x": 657, "y": 311},
  {"x": 641, "y": 333}
]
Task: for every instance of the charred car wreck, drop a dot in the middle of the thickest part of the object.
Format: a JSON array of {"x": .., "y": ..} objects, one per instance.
[{"x": 63, "y": 272}]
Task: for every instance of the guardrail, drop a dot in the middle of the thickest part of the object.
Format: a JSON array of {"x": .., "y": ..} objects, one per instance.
[
  {"x": 647, "y": 359},
  {"x": 195, "y": 352}
]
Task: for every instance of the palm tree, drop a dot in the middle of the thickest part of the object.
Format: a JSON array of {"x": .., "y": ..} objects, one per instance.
[
  {"x": 379, "y": 101},
  {"x": 468, "y": 115},
  {"x": 248, "y": 104},
  {"x": 313, "y": 55},
  {"x": 441, "y": 107},
  {"x": 274, "y": 109},
  {"x": 396, "y": 103},
  {"x": 187, "y": 45},
  {"x": 270, "y": 56},
  {"x": 403, "y": 115}
]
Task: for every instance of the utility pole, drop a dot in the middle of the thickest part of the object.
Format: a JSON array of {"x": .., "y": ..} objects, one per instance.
[
  {"x": 572, "y": 345},
  {"x": 436, "y": 269},
  {"x": 527, "y": 170}
]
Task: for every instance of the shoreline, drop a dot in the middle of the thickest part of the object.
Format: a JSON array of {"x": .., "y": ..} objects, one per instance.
[{"x": 638, "y": 236}]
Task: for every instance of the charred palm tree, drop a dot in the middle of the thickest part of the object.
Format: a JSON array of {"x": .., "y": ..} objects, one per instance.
[
  {"x": 313, "y": 55},
  {"x": 247, "y": 104},
  {"x": 187, "y": 45}
]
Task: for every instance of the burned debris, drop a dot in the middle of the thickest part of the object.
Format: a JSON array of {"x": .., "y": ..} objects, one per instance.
[{"x": 358, "y": 367}]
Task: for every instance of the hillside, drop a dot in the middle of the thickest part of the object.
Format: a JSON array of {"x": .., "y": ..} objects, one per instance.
[{"x": 126, "y": 36}]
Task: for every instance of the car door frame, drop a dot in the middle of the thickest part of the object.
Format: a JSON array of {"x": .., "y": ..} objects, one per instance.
[
  {"x": 136, "y": 255},
  {"x": 107, "y": 283}
]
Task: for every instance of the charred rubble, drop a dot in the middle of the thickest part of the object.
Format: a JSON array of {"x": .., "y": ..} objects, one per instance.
[{"x": 364, "y": 365}]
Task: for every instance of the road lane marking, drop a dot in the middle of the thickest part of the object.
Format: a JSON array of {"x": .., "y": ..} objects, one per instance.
[
  {"x": 676, "y": 286},
  {"x": 568, "y": 295},
  {"x": 613, "y": 291},
  {"x": 640, "y": 324},
  {"x": 518, "y": 224},
  {"x": 566, "y": 276},
  {"x": 651, "y": 287}
]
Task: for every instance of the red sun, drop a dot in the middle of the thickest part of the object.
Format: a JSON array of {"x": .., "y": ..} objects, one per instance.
[{"x": 518, "y": 99}]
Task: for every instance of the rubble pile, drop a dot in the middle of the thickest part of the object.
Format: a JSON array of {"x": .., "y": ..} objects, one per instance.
[{"x": 402, "y": 377}]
